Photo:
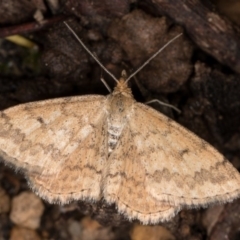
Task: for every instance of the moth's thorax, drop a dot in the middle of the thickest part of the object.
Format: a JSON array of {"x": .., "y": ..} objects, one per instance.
[
  {"x": 122, "y": 88},
  {"x": 120, "y": 107}
]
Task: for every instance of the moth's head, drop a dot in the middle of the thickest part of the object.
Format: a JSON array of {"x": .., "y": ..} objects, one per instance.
[{"x": 122, "y": 86}]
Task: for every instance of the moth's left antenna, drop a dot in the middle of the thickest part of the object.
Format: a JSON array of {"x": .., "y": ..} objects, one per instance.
[
  {"x": 90, "y": 53},
  {"x": 153, "y": 56}
]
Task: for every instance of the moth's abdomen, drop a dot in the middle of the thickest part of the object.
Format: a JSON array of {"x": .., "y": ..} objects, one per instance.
[
  {"x": 120, "y": 108},
  {"x": 114, "y": 133}
]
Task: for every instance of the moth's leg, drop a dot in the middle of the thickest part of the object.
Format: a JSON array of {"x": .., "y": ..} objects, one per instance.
[{"x": 164, "y": 104}]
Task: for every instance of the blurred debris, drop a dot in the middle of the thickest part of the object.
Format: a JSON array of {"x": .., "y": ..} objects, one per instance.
[
  {"x": 215, "y": 35},
  {"x": 96, "y": 8},
  {"x": 92, "y": 230},
  {"x": 211, "y": 217},
  {"x": 140, "y": 232},
  {"x": 230, "y": 8},
  {"x": 20, "y": 233},
  {"x": 4, "y": 201},
  {"x": 15, "y": 12},
  {"x": 54, "y": 5},
  {"x": 223, "y": 223},
  {"x": 17, "y": 39},
  {"x": 27, "y": 210}
]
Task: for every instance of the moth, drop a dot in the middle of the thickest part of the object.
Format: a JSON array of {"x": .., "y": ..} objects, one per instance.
[{"x": 89, "y": 147}]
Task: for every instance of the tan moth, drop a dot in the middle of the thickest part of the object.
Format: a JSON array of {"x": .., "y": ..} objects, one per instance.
[{"x": 89, "y": 147}]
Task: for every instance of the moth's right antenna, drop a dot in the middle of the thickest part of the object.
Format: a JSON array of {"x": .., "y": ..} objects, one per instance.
[{"x": 90, "y": 53}]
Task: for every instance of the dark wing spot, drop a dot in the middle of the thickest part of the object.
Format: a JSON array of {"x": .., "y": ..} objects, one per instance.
[
  {"x": 39, "y": 119},
  {"x": 183, "y": 152}
]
